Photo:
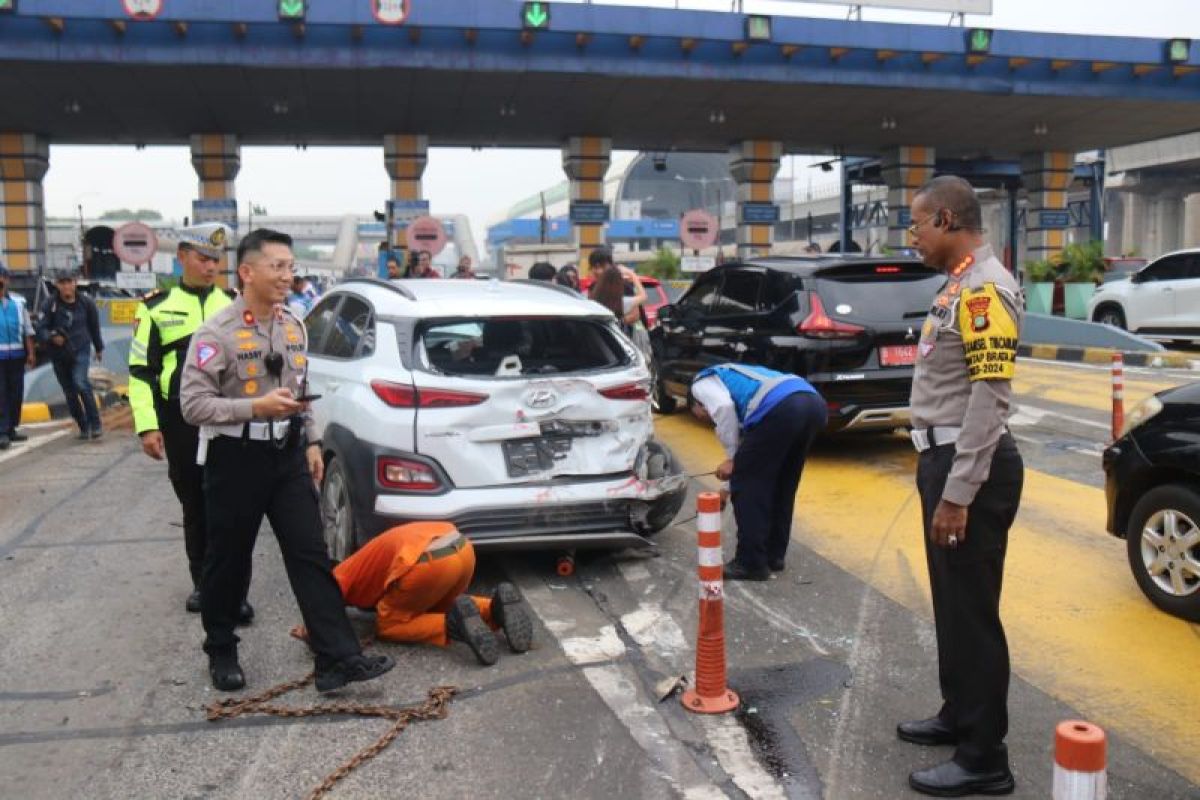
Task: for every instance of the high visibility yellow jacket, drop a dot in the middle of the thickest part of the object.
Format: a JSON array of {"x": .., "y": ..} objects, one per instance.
[{"x": 164, "y": 326}]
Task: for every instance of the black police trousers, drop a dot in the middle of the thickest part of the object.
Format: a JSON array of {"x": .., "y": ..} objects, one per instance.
[
  {"x": 766, "y": 473},
  {"x": 243, "y": 481},
  {"x": 973, "y": 667},
  {"x": 187, "y": 479}
]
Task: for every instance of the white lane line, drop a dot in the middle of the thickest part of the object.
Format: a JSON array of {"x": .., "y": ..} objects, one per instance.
[
  {"x": 1035, "y": 413},
  {"x": 730, "y": 744},
  {"x": 773, "y": 617},
  {"x": 21, "y": 448},
  {"x": 656, "y": 630}
]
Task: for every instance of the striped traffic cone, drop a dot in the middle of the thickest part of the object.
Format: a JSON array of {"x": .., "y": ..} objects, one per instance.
[{"x": 710, "y": 695}]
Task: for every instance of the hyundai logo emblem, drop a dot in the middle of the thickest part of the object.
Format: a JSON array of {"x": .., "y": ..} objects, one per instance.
[{"x": 540, "y": 398}]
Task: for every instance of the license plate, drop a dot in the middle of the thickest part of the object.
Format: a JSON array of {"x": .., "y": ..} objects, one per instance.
[
  {"x": 898, "y": 355},
  {"x": 525, "y": 457}
]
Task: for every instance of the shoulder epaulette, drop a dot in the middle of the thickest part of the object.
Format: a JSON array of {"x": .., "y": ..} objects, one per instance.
[
  {"x": 154, "y": 298},
  {"x": 230, "y": 293}
]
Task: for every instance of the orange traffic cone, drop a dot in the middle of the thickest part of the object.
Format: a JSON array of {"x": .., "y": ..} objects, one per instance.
[
  {"x": 710, "y": 695},
  {"x": 1080, "y": 758}
]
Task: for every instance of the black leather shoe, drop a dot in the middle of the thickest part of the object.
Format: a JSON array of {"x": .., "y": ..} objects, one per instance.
[
  {"x": 776, "y": 564},
  {"x": 245, "y": 613},
  {"x": 736, "y": 572},
  {"x": 510, "y": 613},
  {"x": 13, "y": 436},
  {"x": 951, "y": 780},
  {"x": 226, "y": 672},
  {"x": 352, "y": 670},
  {"x": 463, "y": 624},
  {"x": 193, "y": 602},
  {"x": 929, "y": 732}
]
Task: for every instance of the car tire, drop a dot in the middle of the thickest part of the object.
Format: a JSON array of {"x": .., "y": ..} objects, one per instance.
[
  {"x": 337, "y": 513},
  {"x": 1110, "y": 315},
  {"x": 1165, "y": 557}
]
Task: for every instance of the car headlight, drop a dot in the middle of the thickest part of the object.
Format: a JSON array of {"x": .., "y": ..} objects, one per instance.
[{"x": 1145, "y": 411}]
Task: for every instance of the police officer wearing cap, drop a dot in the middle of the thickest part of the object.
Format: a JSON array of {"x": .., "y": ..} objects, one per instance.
[
  {"x": 969, "y": 477},
  {"x": 163, "y": 330},
  {"x": 244, "y": 383}
]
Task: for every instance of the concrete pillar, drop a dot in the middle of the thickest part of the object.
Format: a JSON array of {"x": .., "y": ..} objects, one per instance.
[
  {"x": 1191, "y": 220},
  {"x": 753, "y": 164},
  {"x": 1046, "y": 177},
  {"x": 1115, "y": 203},
  {"x": 405, "y": 156},
  {"x": 217, "y": 159},
  {"x": 24, "y": 160},
  {"x": 586, "y": 160},
  {"x": 904, "y": 170}
]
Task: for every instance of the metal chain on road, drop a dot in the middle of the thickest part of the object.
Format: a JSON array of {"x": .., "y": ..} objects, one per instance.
[{"x": 434, "y": 707}]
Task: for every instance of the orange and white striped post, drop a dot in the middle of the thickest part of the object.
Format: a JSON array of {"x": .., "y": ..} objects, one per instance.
[
  {"x": 1118, "y": 395},
  {"x": 710, "y": 695},
  {"x": 1080, "y": 761}
]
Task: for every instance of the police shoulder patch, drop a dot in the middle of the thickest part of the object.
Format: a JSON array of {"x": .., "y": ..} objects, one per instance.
[
  {"x": 205, "y": 352},
  {"x": 989, "y": 334}
]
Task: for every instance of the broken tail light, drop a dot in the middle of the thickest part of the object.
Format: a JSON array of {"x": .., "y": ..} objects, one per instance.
[{"x": 406, "y": 475}]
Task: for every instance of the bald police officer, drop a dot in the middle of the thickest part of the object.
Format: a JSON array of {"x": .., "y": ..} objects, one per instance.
[
  {"x": 164, "y": 326},
  {"x": 243, "y": 380},
  {"x": 969, "y": 476}
]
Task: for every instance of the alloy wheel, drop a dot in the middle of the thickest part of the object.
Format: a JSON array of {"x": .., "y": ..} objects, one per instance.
[{"x": 1170, "y": 550}]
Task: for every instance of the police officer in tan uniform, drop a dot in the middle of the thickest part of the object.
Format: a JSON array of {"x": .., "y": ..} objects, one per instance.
[
  {"x": 244, "y": 384},
  {"x": 969, "y": 477}
]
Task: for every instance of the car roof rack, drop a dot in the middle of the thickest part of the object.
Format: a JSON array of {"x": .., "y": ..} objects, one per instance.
[
  {"x": 552, "y": 286},
  {"x": 403, "y": 291}
]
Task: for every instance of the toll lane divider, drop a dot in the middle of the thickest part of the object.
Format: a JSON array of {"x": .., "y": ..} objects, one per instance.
[{"x": 1103, "y": 355}]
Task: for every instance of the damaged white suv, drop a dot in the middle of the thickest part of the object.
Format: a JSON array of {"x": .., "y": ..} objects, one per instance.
[{"x": 515, "y": 410}]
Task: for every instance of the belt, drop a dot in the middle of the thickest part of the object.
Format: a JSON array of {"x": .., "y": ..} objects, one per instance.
[
  {"x": 254, "y": 431},
  {"x": 925, "y": 438},
  {"x": 442, "y": 552}
]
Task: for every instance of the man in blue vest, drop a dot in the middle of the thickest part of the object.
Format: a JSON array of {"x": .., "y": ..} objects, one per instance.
[
  {"x": 16, "y": 353},
  {"x": 766, "y": 421}
]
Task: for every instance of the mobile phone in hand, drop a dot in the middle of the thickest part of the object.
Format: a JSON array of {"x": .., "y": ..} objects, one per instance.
[{"x": 307, "y": 398}]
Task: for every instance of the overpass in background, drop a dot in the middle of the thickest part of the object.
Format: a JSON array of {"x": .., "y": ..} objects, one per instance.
[{"x": 221, "y": 73}]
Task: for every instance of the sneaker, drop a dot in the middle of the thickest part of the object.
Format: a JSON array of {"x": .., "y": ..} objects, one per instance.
[
  {"x": 84, "y": 435},
  {"x": 226, "y": 672},
  {"x": 463, "y": 624},
  {"x": 193, "y": 602},
  {"x": 510, "y": 612},
  {"x": 97, "y": 433},
  {"x": 353, "y": 669},
  {"x": 13, "y": 436}
]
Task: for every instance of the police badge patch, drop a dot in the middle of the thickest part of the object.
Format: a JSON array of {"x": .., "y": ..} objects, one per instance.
[{"x": 978, "y": 306}]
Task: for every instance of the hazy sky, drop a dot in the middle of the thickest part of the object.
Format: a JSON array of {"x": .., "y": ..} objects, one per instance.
[{"x": 482, "y": 184}]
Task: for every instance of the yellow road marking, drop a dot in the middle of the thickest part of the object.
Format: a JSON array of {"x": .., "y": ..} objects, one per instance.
[
  {"x": 1091, "y": 389},
  {"x": 1078, "y": 627}
]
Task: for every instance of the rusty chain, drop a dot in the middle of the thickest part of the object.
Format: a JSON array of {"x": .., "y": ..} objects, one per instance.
[{"x": 434, "y": 707}]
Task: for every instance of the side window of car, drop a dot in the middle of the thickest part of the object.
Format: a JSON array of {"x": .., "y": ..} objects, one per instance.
[
  {"x": 1166, "y": 269},
  {"x": 353, "y": 326},
  {"x": 702, "y": 300},
  {"x": 740, "y": 293},
  {"x": 319, "y": 321}
]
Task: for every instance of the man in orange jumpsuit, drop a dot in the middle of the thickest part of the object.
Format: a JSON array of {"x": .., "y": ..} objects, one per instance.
[{"x": 414, "y": 576}]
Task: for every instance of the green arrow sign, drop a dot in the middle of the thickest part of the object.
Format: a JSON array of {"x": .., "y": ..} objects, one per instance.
[
  {"x": 536, "y": 16},
  {"x": 8, "y": 6},
  {"x": 981, "y": 40},
  {"x": 291, "y": 9}
]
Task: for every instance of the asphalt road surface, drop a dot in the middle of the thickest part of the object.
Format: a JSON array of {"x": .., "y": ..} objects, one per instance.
[{"x": 104, "y": 685}]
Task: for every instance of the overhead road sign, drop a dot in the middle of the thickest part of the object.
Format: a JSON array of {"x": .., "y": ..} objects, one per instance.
[
  {"x": 390, "y": 12},
  {"x": 589, "y": 212},
  {"x": 760, "y": 213},
  {"x": 535, "y": 16},
  {"x": 698, "y": 229},
  {"x": 8, "y": 6},
  {"x": 426, "y": 233},
  {"x": 979, "y": 41},
  {"x": 1179, "y": 50},
  {"x": 141, "y": 9},
  {"x": 942, "y": 6},
  {"x": 758, "y": 28},
  {"x": 292, "y": 10}
]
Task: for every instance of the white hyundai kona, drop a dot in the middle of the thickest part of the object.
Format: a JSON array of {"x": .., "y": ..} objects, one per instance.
[{"x": 516, "y": 410}]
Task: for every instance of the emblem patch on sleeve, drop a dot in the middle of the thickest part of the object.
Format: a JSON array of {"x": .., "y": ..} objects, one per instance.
[
  {"x": 205, "y": 353},
  {"x": 989, "y": 334}
]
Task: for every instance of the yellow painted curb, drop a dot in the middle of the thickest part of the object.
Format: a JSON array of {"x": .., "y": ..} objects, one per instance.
[
  {"x": 1047, "y": 352},
  {"x": 35, "y": 412}
]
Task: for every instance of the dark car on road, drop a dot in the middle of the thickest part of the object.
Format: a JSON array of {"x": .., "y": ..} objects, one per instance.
[
  {"x": 848, "y": 324},
  {"x": 1152, "y": 483}
]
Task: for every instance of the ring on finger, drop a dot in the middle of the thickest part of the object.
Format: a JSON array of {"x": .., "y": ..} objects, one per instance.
[{"x": 953, "y": 540}]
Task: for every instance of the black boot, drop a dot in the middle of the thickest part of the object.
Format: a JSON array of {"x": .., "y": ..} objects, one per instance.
[
  {"x": 463, "y": 624},
  {"x": 245, "y": 613},
  {"x": 226, "y": 672},
  {"x": 510, "y": 613},
  {"x": 736, "y": 572},
  {"x": 348, "y": 670},
  {"x": 193, "y": 602}
]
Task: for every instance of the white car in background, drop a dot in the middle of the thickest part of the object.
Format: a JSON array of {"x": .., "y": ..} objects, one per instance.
[
  {"x": 517, "y": 411},
  {"x": 1161, "y": 300}
]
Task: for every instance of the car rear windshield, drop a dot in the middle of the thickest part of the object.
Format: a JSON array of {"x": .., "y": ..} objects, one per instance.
[
  {"x": 534, "y": 346},
  {"x": 878, "y": 292}
]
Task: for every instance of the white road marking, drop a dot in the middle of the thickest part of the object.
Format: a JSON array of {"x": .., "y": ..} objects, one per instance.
[
  {"x": 1034, "y": 413},
  {"x": 732, "y": 747},
  {"x": 781, "y": 621},
  {"x": 656, "y": 630},
  {"x": 584, "y": 650},
  {"x": 21, "y": 448}
]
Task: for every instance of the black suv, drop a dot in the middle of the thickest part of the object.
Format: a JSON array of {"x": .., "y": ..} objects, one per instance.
[
  {"x": 848, "y": 324},
  {"x": 1152, "y": 482}
]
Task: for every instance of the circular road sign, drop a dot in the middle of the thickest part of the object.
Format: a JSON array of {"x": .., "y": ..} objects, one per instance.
[
  {"x": 143, "y": 9},
  {"x": 698, "y": 229},
  {"x": 135, "y": 243},
  {"x": 426, "y": 233},
  {"x": 390, "y": 12}
]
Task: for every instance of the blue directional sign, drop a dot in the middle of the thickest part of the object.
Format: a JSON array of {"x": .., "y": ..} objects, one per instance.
[
  {"x": 1054, "y": 219},
  {"x": 225, "y": 211},
  {"x": 904, "y": 217},
  {"x": 406, "y": 210},
  {"x": 589, "y": 212},
  {"x": 759, "y": 213}
]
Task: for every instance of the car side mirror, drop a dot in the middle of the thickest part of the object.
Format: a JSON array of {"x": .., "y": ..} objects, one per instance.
[
  {"x": 1136, "y": 278},
  {"x": 667, "y": 312}
]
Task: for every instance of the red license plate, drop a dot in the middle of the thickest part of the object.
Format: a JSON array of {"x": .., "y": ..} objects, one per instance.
[{"x": 898, "y": 355}]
